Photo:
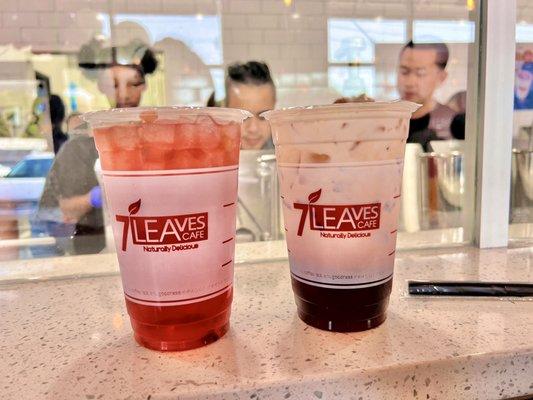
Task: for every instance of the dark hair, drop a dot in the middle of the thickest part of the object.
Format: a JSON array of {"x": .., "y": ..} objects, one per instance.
[
  {"x": 457, "y": 126},
  {"x": 211, "y": 102},
  {"x": 137, "y": 55},
  {"x": 57, "y": 110},
  {"x": 443, "y": 54},
  {"x": 252, "y": 72},
  {"x": 149, "y": 62}
]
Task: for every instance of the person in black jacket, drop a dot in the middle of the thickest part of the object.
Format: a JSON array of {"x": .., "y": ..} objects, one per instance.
[{"x": 420, "y": 132}]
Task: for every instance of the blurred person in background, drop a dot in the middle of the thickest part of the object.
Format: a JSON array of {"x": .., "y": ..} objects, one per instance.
[
  {"x": 420, "y": 132},
  {"x": 73, "y": 121},
  {"x": 57, "y": 116},
  {"x": 458, "y": 102},
  {"x": 421, "y": 71},
  {"x": 458, "y": 126},
  {"x": 249, "y": 86},
  {"x": 72, "y": 184}
]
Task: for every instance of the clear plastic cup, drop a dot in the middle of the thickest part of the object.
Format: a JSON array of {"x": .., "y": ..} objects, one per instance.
[
  {"x": 170, "y": 177},
  {"x": 340, "y": 170}
]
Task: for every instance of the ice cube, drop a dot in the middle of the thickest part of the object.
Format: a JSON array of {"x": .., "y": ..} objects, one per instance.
[
  {"x": 191, "y": 158},
  {"x": 157, "y": 157},
  {"x": 125, "y": 137},
  {"x": 160, "y": 133},
  {"x": 185, "y": 136},
  {"x": 122, "y": 160},
  {"x": 217, "y": 158},
  {"x": 103, "y": 139}
]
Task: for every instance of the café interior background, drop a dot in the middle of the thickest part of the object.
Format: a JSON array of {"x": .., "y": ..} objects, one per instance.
[{"x": 317, "y": 51}]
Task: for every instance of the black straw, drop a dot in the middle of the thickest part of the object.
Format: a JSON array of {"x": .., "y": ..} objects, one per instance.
[{"x": 489, "y": 289}]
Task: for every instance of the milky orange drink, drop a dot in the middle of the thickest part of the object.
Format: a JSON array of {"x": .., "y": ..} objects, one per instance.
[
  {"x": 170, "y": 178},
  {"x": 340, "y": 170}
]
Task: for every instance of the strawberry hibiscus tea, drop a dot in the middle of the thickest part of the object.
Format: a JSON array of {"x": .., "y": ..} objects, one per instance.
[{"x": 170, "y": 179}]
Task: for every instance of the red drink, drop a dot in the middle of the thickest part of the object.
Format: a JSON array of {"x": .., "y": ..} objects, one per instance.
[
  {"x": 170, "y": 176},
  {"x": 181, "y": 327}
]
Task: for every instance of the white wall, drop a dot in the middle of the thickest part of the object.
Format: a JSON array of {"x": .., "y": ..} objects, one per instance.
[{"x": 293, "y": 40}]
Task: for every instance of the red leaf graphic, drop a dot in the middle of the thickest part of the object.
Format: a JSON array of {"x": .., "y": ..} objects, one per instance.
[
  {"x": 134, "y": 207},
  {"x": 313, "y": 197}
]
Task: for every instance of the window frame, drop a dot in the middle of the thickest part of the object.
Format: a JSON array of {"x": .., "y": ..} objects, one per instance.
[{"x": 489, "y": 113}]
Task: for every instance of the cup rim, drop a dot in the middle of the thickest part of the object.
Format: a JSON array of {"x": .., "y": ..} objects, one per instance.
[
  {"x": 336, "y": 111},
  {"x": 116, "y": 116}
]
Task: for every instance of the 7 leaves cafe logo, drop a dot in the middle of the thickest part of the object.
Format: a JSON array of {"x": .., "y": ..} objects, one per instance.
[
  {"x": 338, "y": 221},
  {"x": 163, "y": 233}
]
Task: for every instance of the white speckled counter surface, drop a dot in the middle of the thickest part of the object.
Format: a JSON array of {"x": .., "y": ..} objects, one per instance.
[{"x": 71, "y": 339}]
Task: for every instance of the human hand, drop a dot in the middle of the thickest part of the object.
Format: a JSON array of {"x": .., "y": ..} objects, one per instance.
[
  {"x": 74, "y": 208},
  {"x": 95, "y": 197}
]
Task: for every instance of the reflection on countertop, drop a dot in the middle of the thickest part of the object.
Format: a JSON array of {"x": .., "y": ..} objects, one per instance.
[
  {"x": 250, "y": 252},
  {"x": 245, "y": 253},
  {"x": 70, "y": 338}
]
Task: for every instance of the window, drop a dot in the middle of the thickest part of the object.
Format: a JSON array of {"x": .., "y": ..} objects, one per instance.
[
  {"x": 524, "y": 32},
  {"x": 317, "y": 52},
  {"x": 429, "y": 31},
  {"x": 357, "y": 49},
  {"x": 201, "y": 33}
]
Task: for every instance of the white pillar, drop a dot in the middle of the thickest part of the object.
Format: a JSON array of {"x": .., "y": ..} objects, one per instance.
[{"x": 490, "y": 122}]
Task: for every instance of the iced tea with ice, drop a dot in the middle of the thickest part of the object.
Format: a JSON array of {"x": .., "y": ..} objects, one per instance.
[
  {"x": 340, "y": 170},
  {"x": 170, "y": 177}
]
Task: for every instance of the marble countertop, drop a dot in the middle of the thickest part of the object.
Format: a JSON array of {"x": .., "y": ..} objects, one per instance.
[
  {"x": 106, "y": 263},
  {"x": 71, "y": 339}
]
